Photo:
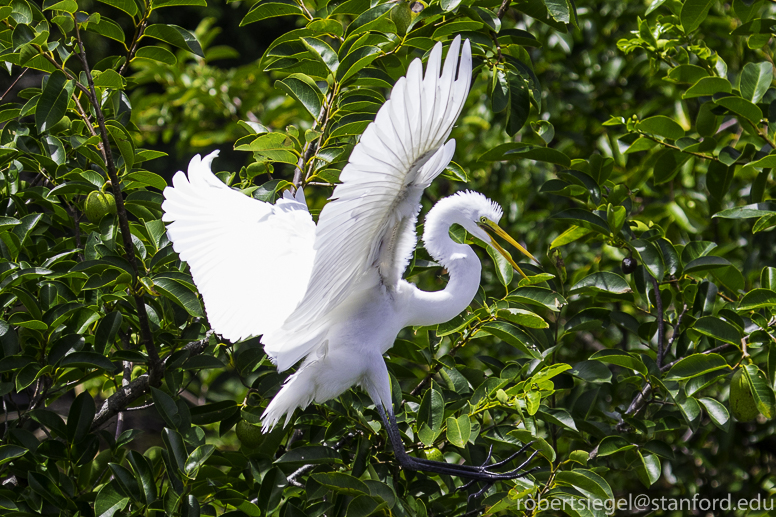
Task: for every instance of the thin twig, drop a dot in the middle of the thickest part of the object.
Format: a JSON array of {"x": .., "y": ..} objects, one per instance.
[
  {"x": 24, "y": 71},
  {"x": 675, "y": 333},
  {"x": 670, "y": 146},
  {"x": 135, "y": 40},
  {"x": 129, "y": 248},
  {"x": 660, "y": 322}
]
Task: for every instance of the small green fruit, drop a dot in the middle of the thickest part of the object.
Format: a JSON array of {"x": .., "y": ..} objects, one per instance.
[
  {"x": 249, "y": 435},
  {"x": 98, "y": 205},
  {"x": 742, "y": 403}
]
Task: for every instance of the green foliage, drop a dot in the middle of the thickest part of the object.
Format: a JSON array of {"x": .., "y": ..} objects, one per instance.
[{"x": 630, "y": 146}]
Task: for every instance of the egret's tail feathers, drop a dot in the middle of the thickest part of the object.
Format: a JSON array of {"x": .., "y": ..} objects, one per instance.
[{"x": 294, "y": 394}]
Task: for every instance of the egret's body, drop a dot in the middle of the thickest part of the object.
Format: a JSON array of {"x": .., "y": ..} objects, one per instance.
[{"x": 332, "y": 295}]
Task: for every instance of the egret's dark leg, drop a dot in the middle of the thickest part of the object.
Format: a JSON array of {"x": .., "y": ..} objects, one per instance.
[{"x": 473, "y": 472}]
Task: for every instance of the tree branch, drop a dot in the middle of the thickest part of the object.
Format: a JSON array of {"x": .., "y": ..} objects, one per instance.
[
  {"x": 135, "y": 389},
  {"x": 661, "y": 324},
  {"x": 155, "y": 369}
]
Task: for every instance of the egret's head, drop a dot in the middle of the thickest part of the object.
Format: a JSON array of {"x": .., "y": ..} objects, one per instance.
[{"x": 481, "y": 217}]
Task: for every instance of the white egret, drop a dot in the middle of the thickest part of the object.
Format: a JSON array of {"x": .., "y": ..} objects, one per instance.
[{"x": 332, "y": 295}]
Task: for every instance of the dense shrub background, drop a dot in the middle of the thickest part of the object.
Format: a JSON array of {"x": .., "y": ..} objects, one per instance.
[{"x": 629, "y": 143}]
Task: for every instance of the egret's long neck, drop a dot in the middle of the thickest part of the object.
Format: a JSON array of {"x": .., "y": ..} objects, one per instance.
[{"x": 462, "y": 264}]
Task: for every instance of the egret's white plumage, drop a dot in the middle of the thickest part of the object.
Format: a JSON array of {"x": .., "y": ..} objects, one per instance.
[{"x": 333, "y": 295}]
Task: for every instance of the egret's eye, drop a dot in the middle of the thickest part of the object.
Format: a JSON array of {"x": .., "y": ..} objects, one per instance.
[{"x": 483, "y": 219}]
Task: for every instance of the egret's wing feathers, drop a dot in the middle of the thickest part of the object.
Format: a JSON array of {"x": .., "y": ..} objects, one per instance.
[
  {"x": 250, "y": 260},
  {"x": 398, "y": 156}
]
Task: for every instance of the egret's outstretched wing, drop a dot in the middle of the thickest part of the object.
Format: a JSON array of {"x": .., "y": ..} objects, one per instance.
[
  {"x": 250, "y": 260},
  {"x": 370, "y": 224}
]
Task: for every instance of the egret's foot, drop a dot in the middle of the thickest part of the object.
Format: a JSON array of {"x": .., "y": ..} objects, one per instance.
[
  {"x": 518, "y": 472},
  {"x": 476, "y": 473}
]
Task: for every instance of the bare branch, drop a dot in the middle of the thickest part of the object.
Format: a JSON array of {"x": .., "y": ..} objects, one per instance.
[
  {"x": 135, "y": 389},
  {"x": 145, "y": 328}
]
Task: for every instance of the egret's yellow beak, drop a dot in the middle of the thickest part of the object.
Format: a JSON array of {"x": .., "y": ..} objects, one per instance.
[{"x": 490, "y": 226}]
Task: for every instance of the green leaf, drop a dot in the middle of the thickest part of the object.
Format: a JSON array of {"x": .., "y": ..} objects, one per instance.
[
  {"x": 650, "y": 257},
  {"x": 504, "y": 269},
  {"x": 126, "y": 481},
  {"x": 198, "y": 458},
  {"x": 707, "y": 263},
  {"x": 687, "y": 74},
  {"x": 459, "y": 430},
  {"x": 584, "y": 219},
  {"x": 173, "y": 442},
  {"x": 620, "y": 358},
  {"x": 521, "y": 151},
  {"x": 513, "y": 336},
  {"x": 592, "y": 371},
  {"x": 108, "y": 28},
  {"x": 649, "y": 470},
  {"x": 761, "y": 389},
  {"x": 175, "y": 36},
  {"x": 310, "y": 454},
  {"x": 355, "y": 61},
  {"x": 180, "y": 294},
  {"x": 539, "y": 296},
  {"x": 87, "y": 360},
  {"x": 69, "y": 6},
  {"x": 717, "y": 412},
  {"x": 764, "y": 223},
  {"x": 742, "y": 107},
  {"x": 559, "y": 417},
  {"x": 432, "y": 409},
  {"x": 157, "y": 4},
  {"x": 758, "y": 26},
  {"x": 455, "y": 172},
  {"x": 707, "y": 121},
  {"x": 695, "y": 365},
  {"x": 662, "y": 126},
  {"x": 519, "y": 103},
  {"x": 271, "y": 9},
  {"x": 572, "y": 234},
  {"x": 156, "y": 53},
  {"x": 304, "y": 90},
  {"x": 110, "y": 500},
  {"x": 757, "y": 299},
  {"x": 80, "y": 416},
  {"x": 144, "y": 474},
  {"x": 128, "y": 6},
  {"x": 587, "y": 482},
  {"x": 718, "y": 329},
  {"x": 604, "y": 281},
  {"x": 52, "y": 103},
  {"x": 755, "y": 80},
  {"x": 109, "y": 79},
  {"x": 707, "y": 87},
  {"x": 322, "y": 51},
  {"x": 341, "y": 483},
  {"x": 668, "y": 164},
  {"x": 10, "y": 452},
  {"x": 719, "y": 178},
  {"x": 524, "y": 318},
  {"x": 167, "y": 409},
  {"x": 748, "y": 211},
  {"x": 693, "y": 13}
]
